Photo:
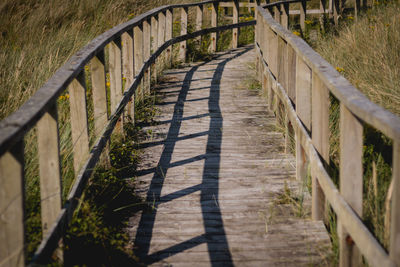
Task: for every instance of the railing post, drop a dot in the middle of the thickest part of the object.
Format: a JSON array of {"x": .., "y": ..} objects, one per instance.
[
  {"x": 128, "y": 72},
  {"x": 98, "y": 78},
  {"x": 115, "y": 67},
  {"x": 291, "y": 79},
  {"x": 235, "y": 19},
  {"x": 146, "y": 55},
  {"x": 303, "y": 111},
  {"x": 277, "y": 14},
  {"x": 264, "y": 38},
  {"x": 272, "y": 46},
  {"x": 322, "y": 8},
  {"x": 356, "y": 8},
  {"x": 99, "y": 91},
  {"x": 335, "y": 7},
  {"x": 214, "y": 22},
  {"x": 79, "y": 120},
  {"x": 303, "y": 11},
  {"x": 168, "y": 36},
  {"x": 138, "y": 49},
  {"x": 320, "y": 139},
  {"x": 161, "y": 39},
  {"x": 285, "y": 15},
  {"x": 394, "y": 248},
  {"x": 154, "y": 44},
  {"x": 182, "y": 45},
  {"x": 199, "y": 22},
  {"x": 351, "y": 180},
  {"x": 12, "y": 206},
  {"x": 303, "y": 92},
  {"x": 282, "y": 63},
  {"x": 49, "y": 168}
]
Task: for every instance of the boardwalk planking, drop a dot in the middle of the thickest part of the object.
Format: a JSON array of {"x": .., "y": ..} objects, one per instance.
[{"x": 212, "y": 170}]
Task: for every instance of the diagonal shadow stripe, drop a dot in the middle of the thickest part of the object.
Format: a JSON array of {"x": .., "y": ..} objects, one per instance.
[{"x": 219, "y": 252}]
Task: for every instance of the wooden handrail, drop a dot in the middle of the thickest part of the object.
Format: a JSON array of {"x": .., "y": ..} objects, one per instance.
[{"x": 299, "y": 78}]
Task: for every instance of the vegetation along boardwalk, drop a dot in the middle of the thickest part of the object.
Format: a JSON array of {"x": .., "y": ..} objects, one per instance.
[{"x": 215, "y": 172}]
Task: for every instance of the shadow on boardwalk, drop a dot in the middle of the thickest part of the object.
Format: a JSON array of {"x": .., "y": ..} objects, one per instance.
[{"x": 218, "y": 251}]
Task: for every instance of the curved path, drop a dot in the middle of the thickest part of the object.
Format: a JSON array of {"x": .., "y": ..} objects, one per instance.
[{"x": 215, "y": 172}]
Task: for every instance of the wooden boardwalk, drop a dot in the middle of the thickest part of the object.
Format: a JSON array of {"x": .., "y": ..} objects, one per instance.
[{"x": 214, "y": 170}]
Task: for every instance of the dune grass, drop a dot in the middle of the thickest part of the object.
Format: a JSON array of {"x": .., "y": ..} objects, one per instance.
[{"x": 366, "y": 51}]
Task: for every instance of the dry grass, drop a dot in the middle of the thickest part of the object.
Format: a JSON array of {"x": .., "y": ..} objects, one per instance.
[
  {"x": 367, "y": 53},
  {"x": 38, "y": 36}
]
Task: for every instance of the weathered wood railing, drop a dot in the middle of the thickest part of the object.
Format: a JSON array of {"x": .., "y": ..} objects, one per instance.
[
  {"x": 133, "y": 49},
  {"x": 300, "y": 80}
]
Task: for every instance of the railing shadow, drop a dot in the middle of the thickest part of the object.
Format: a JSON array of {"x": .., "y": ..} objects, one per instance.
[{"x": 214, "y": 236}]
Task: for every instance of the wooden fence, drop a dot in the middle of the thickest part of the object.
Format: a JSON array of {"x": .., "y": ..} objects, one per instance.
[
  {"x": 133, "y": 48},
  {"x": 291, "y": 72},
  {"x": 298, "y": 79}
]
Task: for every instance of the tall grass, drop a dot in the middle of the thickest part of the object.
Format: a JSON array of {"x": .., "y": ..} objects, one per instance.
[
  {"x": 366, "y": 51},
  {"x": 38, "y": 36}
]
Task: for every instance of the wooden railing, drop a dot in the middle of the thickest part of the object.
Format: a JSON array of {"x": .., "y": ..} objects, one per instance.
[
  {"x": 300, "y": 80},
  {"x": 129, "y": 48}
]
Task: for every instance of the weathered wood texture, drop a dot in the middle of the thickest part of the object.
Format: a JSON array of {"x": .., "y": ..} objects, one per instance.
[
  {"x": 351, "y": 179},
  {"x": 99, "y": 91},
  {"x": 168, "y": 36},
  {"x": 184, "y": 25},
  {"x": 12, "y": 207},
  {"x": 315, "y": 80},
  {"x": 138, "y": 52},
  {"x": 49, "y": 167},
  {"x": 213, "y": 168},
  {"x": 235, "y": 19},
  {"x": 79, "y": 121},
  {"x": 214, "y": 22}
]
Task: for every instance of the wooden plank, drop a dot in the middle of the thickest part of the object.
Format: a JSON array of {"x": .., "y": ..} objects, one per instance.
[
  {"x": 282, "y": 62},
  {"x": 128, "y": 69},
  {"x": 168, "y": 36},
  {"x": 394, "y": 248},
  {"x": 351, "y": 179},
  {"x": 115, "y": 70},
  {"x": 199, "y": 23},
  {"x": 277, "y": 14},
  {"x": 241, "y": 4},
  {"x": 214, "y": 21},
  {"x": 291, "y": 73},
  {"x": 235, "y": 19},
  {"x": 49, "y": 168},
  {"x": 154, "y": 44},
  {"x": 182, "y": 45},
  {"x": 320, "y": 117},
  {"x": 272, "y": 48},
  {"x": 303, "y": 11},
  {"x": 285, "y": 15},
  {"x": 146, "y": 54},
  {"x": 12, "y": 207},
  {"x": 99, "y": 91},
  {"x": 138, "y": 60},
  {"x": 335, "y": 6},
  {"x": 161, "y": 39},
  {"x": 79, "y": 121},
  {"x": 303, "y": 92},
  {"x": 320, "y": 138},
  {"x": 309, "y": 12}
]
